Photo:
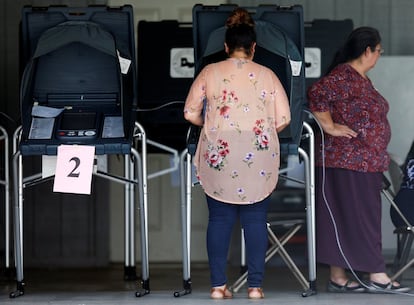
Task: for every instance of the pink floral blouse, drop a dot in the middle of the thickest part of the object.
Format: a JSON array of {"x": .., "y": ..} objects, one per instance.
[{"x": 237, "y": 158}]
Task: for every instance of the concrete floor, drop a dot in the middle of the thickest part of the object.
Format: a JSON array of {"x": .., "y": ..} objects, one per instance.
[{"x": 82, "y": 286}]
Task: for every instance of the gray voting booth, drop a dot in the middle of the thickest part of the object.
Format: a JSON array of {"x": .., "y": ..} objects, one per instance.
[{"x": 78, "y": 87}]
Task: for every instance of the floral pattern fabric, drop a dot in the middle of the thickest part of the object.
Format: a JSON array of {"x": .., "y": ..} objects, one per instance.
[
  {"x": 353, "y": 101},
  {"x": 237, "y": 158},
  {"x": 408, "y": 180}
]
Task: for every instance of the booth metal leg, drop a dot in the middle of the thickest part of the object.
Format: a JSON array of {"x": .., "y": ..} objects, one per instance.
[
  {"x": 6, "y": 183},
  {"x": 141, "y": 173},
  {"x": 18, "y": 224},
  {"x": 129, "y": 268},
  {"x": 243, "y": 264},
  {"x": 310, "y": 209},
  {"x": 185, "y": 171}
]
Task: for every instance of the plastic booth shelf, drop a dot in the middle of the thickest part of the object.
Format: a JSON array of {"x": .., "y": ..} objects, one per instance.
[
  {"x": 280, "y": 46},
  {"x": 78, "y": 88}
]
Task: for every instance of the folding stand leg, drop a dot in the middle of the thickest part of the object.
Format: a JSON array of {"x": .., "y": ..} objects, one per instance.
[
  {"x": 18, "y": 224},
  {"x": 402, "y": 270},
  {"x": 400, "y": 263},
  {"x": 405, "y": 241},
  {"x": 185, "y": 221},
  {"x": 275, "y": 248},
  {"x": 285, "y": 256}
]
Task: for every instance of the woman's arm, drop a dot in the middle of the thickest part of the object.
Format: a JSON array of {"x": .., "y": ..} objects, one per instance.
[
  {"x": 285, "y": 122},
  {"x": 333, "y": 129},
  {"x": 282, "y": 108},
  {"x": 194, "y": 103},
  {"x": 194, "y": 117}
]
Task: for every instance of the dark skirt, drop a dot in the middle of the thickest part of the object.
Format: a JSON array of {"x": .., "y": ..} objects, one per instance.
[{"x": 354, "y": 199}]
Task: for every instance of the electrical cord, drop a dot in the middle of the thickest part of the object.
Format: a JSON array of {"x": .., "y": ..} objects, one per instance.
[
  {"x": 332, "y": 218},
  {"x": 9, "y": 118},
  {"x": 159, "y": 107}
]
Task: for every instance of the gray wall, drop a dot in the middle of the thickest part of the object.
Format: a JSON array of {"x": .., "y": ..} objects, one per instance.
[
  {"x": 390, "y": 77},
  {"x": 393, "y": 18}
]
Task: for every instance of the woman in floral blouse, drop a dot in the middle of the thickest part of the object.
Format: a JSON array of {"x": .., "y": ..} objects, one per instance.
[
  {"x": 242, "y": 106},
  {"x": 353, "y": 116}
]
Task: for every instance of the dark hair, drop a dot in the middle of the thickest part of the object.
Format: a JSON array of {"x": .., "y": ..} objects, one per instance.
[
  {"x": 356, "y": 44},
  {"x": 240, "y": 33}
]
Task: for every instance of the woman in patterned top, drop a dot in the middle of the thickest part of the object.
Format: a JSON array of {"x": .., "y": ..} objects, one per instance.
[
  {"x": 353, "y": 116},
  {"x": 237, "y": 158}
]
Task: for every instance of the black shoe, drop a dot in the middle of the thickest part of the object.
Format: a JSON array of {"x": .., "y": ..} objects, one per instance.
[
  {"x": 334, "y": 287},
  {"x": 385, "y": 288}
]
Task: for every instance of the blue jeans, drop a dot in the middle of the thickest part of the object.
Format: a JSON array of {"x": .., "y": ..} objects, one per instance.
[{"x": 253, "y": 219}]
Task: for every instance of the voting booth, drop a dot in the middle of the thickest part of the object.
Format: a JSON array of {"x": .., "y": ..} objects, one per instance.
[
  {"x": 165, "y": 71},
  {"x": 323, "y": 39},
  {"x": 78, "y": 91},
  {"x": 78, "y": 84}
]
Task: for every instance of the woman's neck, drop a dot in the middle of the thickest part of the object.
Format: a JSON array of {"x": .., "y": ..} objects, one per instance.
[
  {"x": 240, "y": 55},
  {"x": 359, "y": 67}
]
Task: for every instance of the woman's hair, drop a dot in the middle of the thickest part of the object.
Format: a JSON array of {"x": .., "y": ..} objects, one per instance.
[
  {"x": 356, "y": 44},
  {"x": 240, "y": 33}
]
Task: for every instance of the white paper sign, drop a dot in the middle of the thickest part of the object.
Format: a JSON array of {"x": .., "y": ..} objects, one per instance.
[
  {"x": 182, "y": 63},
  {"x": 74, "y": 168},
  {"x": 313, "y": 62}
]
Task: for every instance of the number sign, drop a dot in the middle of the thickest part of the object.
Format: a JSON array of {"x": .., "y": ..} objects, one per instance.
[{"x": 74, "y": 167}]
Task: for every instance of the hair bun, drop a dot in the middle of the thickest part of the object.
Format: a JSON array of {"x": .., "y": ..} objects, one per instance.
[{"x": 238, "y": 17}]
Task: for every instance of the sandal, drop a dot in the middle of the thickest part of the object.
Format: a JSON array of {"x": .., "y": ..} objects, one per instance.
[
  {"x": 255, "y": 293},
  {"x": 389, "y": 287},
  {"x": 219, "y": 293},
  {"x": 334, "y": 287}
]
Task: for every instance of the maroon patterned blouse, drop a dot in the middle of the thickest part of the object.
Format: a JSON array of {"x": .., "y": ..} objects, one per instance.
[{"x": 353, "y": 101}]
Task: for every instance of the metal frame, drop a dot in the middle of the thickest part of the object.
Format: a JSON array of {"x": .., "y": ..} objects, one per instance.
[
  {"x": 186, "y": 185},
  {"x": 144, "y": 215},
  {"x": 139, "y": 170},
  {"x": 6, "y": 183}
]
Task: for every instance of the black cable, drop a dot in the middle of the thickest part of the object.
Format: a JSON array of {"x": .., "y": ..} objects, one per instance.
[
  {"x": 8, "y": 117},
  {"x": 159, "y": 107}
]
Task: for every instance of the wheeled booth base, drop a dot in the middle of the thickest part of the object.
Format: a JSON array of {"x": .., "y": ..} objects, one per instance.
[
  {"x": 187, "y": 289},
  {"x": 145, "y": 289}
]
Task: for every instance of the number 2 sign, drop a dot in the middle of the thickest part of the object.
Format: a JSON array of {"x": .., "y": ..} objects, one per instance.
[{"x": 74, "y": 168}]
